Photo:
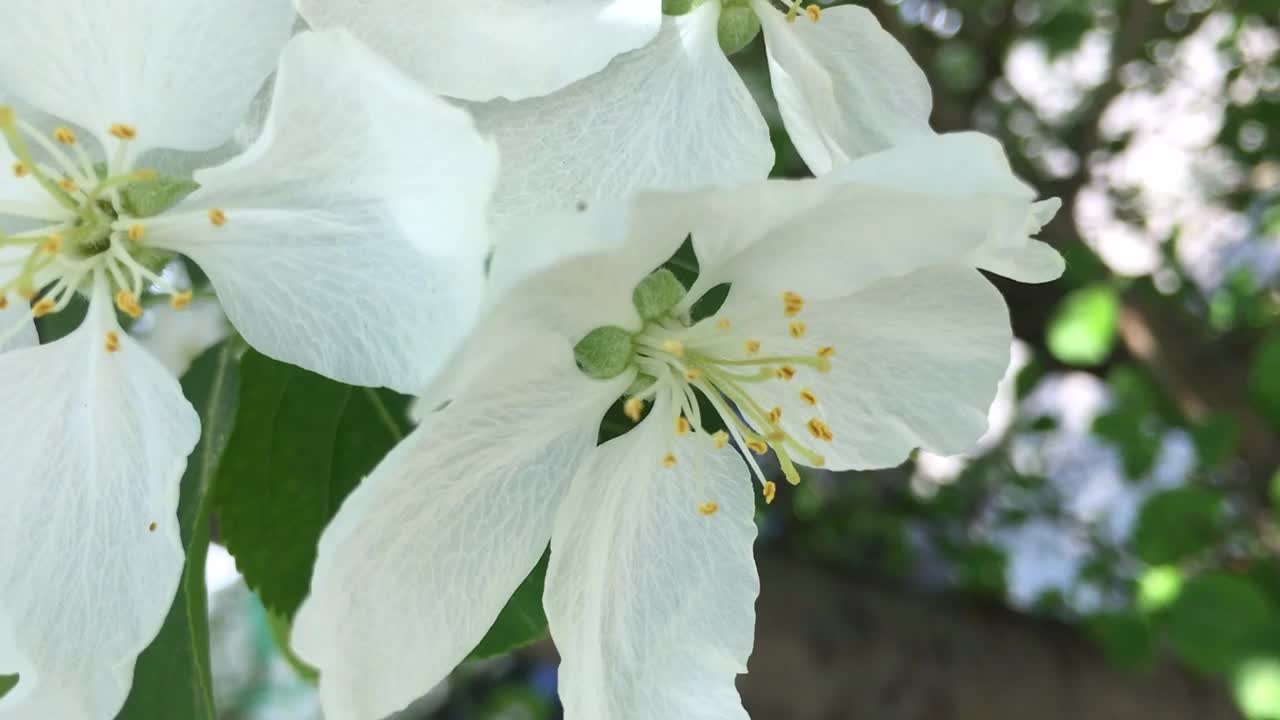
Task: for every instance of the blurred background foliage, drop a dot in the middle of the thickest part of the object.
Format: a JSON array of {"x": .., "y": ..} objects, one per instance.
[{"x": 1108, "y": 551}]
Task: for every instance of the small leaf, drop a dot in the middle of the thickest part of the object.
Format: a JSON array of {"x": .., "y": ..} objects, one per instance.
[
  {"x": 522, "y": 622},
  {"x": 301, "y": 444},
  {"x": 1216, "y": 620},
  {"x": 1264, "y": 379},
  {"x": 1176, "y": 524},
  {"x": 1083, "y": 328},
  {"x": 173, "y": 677},
  {"x": 148, "y": 198}
]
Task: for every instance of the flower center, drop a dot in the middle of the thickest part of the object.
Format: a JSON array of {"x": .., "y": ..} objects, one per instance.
[
  {"x": 88, "y": 222},
  {"x": 729, "y": 366}
]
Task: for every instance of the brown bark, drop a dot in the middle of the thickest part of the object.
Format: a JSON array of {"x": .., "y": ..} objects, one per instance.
[{"x": 833, "y": 648}]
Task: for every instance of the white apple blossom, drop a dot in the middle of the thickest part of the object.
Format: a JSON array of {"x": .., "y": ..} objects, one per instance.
[
  {"x": 856, "y": 328},
  {"x": 348, "y": 239},
  {"x": 672, "y": 114}
]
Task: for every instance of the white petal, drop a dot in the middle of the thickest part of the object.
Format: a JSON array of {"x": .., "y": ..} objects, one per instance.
[
  {"x": 933, "y": 201},
  {"x": 672, "y": 115},
  {"x": 355, "y": 235},
  {"x": 16, "y": 329},
  {"x": 1021, "y": 258},
  {"x": 845, "y": 87},
  {"x": 917, "y": 362},
  {"x": 181, "y": 71},
  {"x": 652, "y": 604},
  {"x": 424, "y": 554},
  {"x": 94, "y": 446},
  {"x": 494, "y": 48}
]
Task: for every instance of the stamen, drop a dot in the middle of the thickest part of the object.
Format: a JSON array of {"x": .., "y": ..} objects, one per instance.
[
  {"x": 692, "y": 374},
  {"x": 675, "y": 347},
  {"x": 682, "y": 426},
  {"x": 723, "y": 323},
  {"x": 633, "y": 408},
  {"x": 720, "y": 440},
  {"x": 786, "y": 372},
  {"x": 217, "y": 217},
  {"x": 769, "y": 491},
  {"x": 797, "y": 329},
  {"x": 53, "y": 245},
  {"x": 42, "y": 308},
  {"x": 775, "y": 415},
  {"x": 819, "y": 430},
  {"x": 709, "y": 508},
  {"x": 113, "y": 341},
  {"x": 807, "y": 395},
  {"x": 826, "y": 352},
  {"x": 20, "y": 170},
  {"x": 751, "y": 347},
  {"x": 180, "y": 300},
  {"x": 68, "y": 185},
  {"x": 792, "y": 304},
  {"x": 64, "y": 136},
  {"x": 668, "y": 460},
  {"x": 120, "y": 131},
  {"x": 136, "y": 231},
  {"x": 814, "y": 12},
  {"x": 758, "y": 447},
  {"x": 128, "y": 304}
]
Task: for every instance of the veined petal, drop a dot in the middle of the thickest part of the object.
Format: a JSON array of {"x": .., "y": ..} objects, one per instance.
[
  {"x": 845, "y": 87},
  {"x": 930, "y": 202},
  {"x": 513, "y": 49},
  {"x": 426, "y": 552},
  {"x": 95, "y": 443},
  {"x": 350, "y": 238},
  {"x": 651, "y": 603},
  {"x": 673, "y": 115},
  {"x": 182, "y": 72},
  {"x": 916, "y": 363}
]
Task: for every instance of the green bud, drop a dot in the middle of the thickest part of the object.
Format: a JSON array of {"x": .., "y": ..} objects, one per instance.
[
  {"x": 148, "y": 198},
  {"x": 679, "y": 7},
  {"x": 657, "y": 294},
  {"x": 738, "y": 26},
  {"x": 605, "y": 352}
]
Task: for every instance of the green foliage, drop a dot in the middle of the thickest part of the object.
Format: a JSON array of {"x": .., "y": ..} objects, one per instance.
[
  {"x": 173, "y": 676},
  {"x": 1177, "y": 524},
  {"x": 523, "y": 621},
  {"x": 1083, "y": 328},
  {"x": 1264, "y": 379},
  {"x": 1216, "y": 621},
  {"x": 1133, "y": 424},
  {"x": 301, "y": 444},
  {"x": 148, "y": 198},
  {"x": 1158, "y": 588},
  {"x": 1126, "y": 638}
]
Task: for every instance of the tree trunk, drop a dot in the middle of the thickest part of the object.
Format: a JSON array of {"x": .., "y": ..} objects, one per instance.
[{"x": 831, "y": 648}]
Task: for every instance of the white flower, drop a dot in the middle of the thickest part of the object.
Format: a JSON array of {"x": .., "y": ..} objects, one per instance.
[
  {"x": 856, "y": 328},
  {"x": 671, "y": 115},
  {"x": 345, "y": 239}
]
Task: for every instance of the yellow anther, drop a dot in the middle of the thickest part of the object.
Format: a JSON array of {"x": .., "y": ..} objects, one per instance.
[
  {"x": 723, "y": 323},
  {"x": 776, "y": 436},
  {"x": 769, "y": 491},
  {"x": 217, "y": 217},
  {"x": 792, "y": 304},
  {"x": 675, "y": 347},
  {"x": 128, "y": 304},
  {"x": 152, "y": 527},
  {"x": 720, "y": 440},
  {"x": 53, "y": 245},
  {"x": 4, "y": 302},
  {"x": 818, "y": 461},
  {"x": 68, "y": 185},
  {"x": 20, "y": 170},
  {"x": 819, "y": 430},
  {"x": 751, "y": 347},
  {"x": 26, "y": 292},
  {"x": 786, "y": 372},
  {"x": 692, "y": 374},
  {"x": 797, "y": 328},
  {"x": 808, "y": 396},
  {"x": 814, "y": 12},
  {"x": 633, "y": 408},
  {"x": 668, "y": 460},
  {"x": 775, "y": 415},
  {"x": 682, "y": 426},
  {"x": 180, "y": 300},
  {"x": 136, "y": 231},
  {"x": 64, "y": 136},
  {"x": 113, "y": 341},
  {"x": 120, "y": 131},
  {"x": 757, "y": 446},
  {"x": 42, "y": 308},
  {"x": 826, "y": 352},
  {"x": 709, "y": 508}
]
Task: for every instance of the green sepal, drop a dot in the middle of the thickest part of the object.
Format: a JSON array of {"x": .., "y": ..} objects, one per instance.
[
  {"x": 657, "y": 294},
  {"x": 605, "y": 352},
  {"x": 640, "y": 384},
  {"x": 738, "y": 27},
  {"x": 148, "y": 198},
  {"x": 679, "y": 7}
]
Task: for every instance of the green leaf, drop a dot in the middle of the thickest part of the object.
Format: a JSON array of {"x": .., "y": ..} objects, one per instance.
[
  {"x": 1082, "y": 330},
  {"x": 301, "y": 444},
  {"x": 1264, "y": 379},
  {"x": 1216, "y": 621},
  {"x": 522, "y": 622},
  {"x": 1158, "y": 588},
  {"x": 148, "y": 198},
  {"x": 1176, "y": 524},
  {"x": 7, "y": 683},
  {"x": 1256, "y": 684},
  {"x": 172, "y": 677},
  {"x": 280, "y": 631},
  {"x": 1125, "y": 637}
]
